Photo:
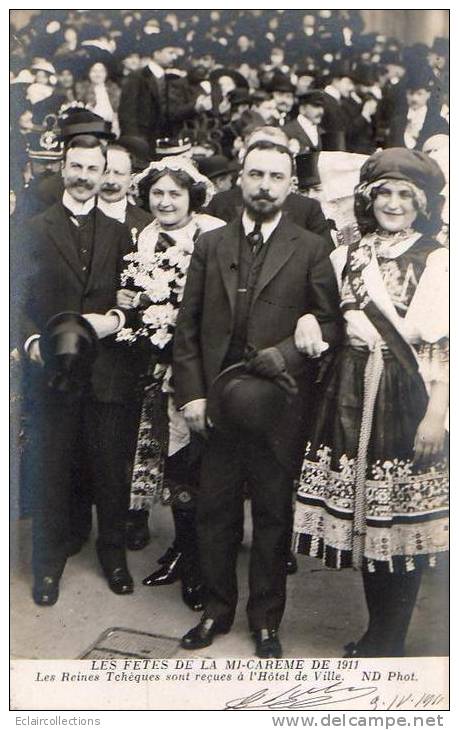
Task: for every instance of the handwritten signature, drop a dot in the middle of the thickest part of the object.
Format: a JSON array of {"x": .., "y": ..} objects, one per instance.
[{"x": 299, "y": 698}]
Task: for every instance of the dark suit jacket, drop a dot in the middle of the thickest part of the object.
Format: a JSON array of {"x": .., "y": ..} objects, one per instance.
[
  {"x": 334, "y": 123},
  {"x": 433, "y": 124},
  {"x": 296, "y": 278},
  {"x": 294, "y": 130},
  {"x": 305, "y": 212},
  {"x": 53, "y": 282},
  {"x": 144, "y": 112},
  {"x": 137, "y": 217}
]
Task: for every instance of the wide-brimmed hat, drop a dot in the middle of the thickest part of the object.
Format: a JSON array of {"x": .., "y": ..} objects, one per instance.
[
  {"x": 241, "y": 402},
  {"x": 69, "y": 348}
]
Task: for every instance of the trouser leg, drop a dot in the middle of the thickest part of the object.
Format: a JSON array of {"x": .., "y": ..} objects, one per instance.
[
  {"x": 56, "y": 428},
  {"x": 109, "y": 446},
  {"x": 271, "y": 490},
  {"x": 218, "y": 517}
]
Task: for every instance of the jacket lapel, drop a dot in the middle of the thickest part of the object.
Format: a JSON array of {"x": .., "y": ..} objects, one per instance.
[
  {"x": 60, "y": 233},
  {"x": 228, "y": 257},
  {"x": 280, "y": 247}
]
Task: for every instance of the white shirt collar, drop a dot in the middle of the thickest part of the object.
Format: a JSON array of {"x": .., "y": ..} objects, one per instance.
[
  {"x": 156, "y": 69},
  {"x": 115, "y": 210},
  {"x": 417, "y": 115},
  {"x": 267, "y": 227},
  {"x": 332, "y": 91},
  {"x": 309, "y": 128},
  {"x": 75, "y": 207}
]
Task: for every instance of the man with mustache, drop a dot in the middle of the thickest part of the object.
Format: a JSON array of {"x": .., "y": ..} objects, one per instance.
[
  {"x": 113, "y": 195},
  {"x": 75, "y": 254},
  {"x": 247, "y": 284}
]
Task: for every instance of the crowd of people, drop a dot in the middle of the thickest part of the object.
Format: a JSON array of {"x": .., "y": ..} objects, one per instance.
[{"x": 192, "y": 331}]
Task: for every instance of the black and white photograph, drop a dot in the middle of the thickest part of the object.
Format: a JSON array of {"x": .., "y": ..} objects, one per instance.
[{"x": 229, "y": 358}]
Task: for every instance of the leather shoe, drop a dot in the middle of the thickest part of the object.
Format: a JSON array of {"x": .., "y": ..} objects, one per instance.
[
  {"x": 193, "y": 596},
  {"x": 292, "y": 565},
  {"x": 167, "y": 574},
  {"x": 113, "y": 563},
  {"x": 267, "y": 644},
  {"x": 119, "y": 580},
  {"x": 137, "y": 531},
  {"x": 46, "y": 590},
  {"x": 203, "y": 634},
  {"x": 167, "y": 557}
]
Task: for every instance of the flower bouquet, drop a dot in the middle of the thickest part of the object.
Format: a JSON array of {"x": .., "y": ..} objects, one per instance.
[{"x": 159, "y": 278}]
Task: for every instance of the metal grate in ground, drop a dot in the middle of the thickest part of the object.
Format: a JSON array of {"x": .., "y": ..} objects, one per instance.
[{"x": 116, "y": 643}]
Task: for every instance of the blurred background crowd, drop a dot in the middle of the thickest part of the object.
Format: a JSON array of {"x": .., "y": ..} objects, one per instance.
[{"x": 207, "y": 78}]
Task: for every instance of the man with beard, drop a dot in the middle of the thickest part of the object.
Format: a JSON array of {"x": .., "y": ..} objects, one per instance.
[
  {"x": 305, "y": 212},
  {"x": 74, "y": 256},
  {"x": 113, "y": 196},
  {"x": 247, "y": 285}
]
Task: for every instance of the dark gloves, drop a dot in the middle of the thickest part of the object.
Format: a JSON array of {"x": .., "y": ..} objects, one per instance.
[{"x": 270, "y": 363}]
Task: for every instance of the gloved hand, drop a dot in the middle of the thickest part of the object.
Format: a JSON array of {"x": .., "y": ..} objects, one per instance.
[{"x": 269, "y": 363}]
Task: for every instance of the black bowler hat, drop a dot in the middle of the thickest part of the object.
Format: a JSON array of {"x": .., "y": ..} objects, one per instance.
[
  {"x": 307, "y": 169},
  {"x": 239, "y": 401},
  {"x": 139, "y": 150},
  {"x": 68, "y": 347},
  {"x": 214, "y": 166},
  {"x": 77, "y": 120},
  {"x": 280, "y": 82},
  {"x": 313, "y": 97}
]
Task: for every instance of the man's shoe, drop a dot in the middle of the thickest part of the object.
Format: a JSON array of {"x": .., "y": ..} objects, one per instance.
[
  {"x": 137, "y": 531},
  {"x": 203, "y": 634},
  {"x": 119, "y": 580},
  {"x": 193, "y": 595},
  {"x": 46, "y": 590},
  {"x": 167, "y": 574},
  {"x": 292, "y": 565},
  {"x": 113, "y": 564},
  {"x": 267, "y": 644}
]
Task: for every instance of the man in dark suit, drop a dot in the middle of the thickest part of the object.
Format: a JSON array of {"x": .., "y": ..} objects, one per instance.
[
  {"x": 305, "y": 212},
  {"x": 412, "y": 127},
  {"x": 248, "y": 283},
  {"x": 113, "y": 200},
  {"x": 75, "y": 254},
  {"x": 153, "y": 103},
  {"x": 306, "y": 127}
]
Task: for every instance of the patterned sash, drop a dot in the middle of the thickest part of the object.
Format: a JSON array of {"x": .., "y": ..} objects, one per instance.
[{"x": 358, "y": 258}]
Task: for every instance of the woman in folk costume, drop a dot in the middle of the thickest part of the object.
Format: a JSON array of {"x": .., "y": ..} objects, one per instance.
[
  {"x": 374, "y": 487},
  {"x": 167, "y": 458}
]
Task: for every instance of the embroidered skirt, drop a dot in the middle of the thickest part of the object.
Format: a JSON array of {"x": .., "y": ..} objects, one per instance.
[{"x": 405, "y": 505}]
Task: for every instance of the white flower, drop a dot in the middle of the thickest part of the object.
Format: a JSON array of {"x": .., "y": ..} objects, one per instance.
[
  {"x": 159, "y": 315},
  {"x": 160, "y": 338},
  {"x": 160, "y": 291}
]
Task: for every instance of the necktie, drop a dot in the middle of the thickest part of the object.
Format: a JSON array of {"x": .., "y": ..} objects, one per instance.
[
  {"x": 255, "y": 239},
  {"x": 164, "y": 242}
]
